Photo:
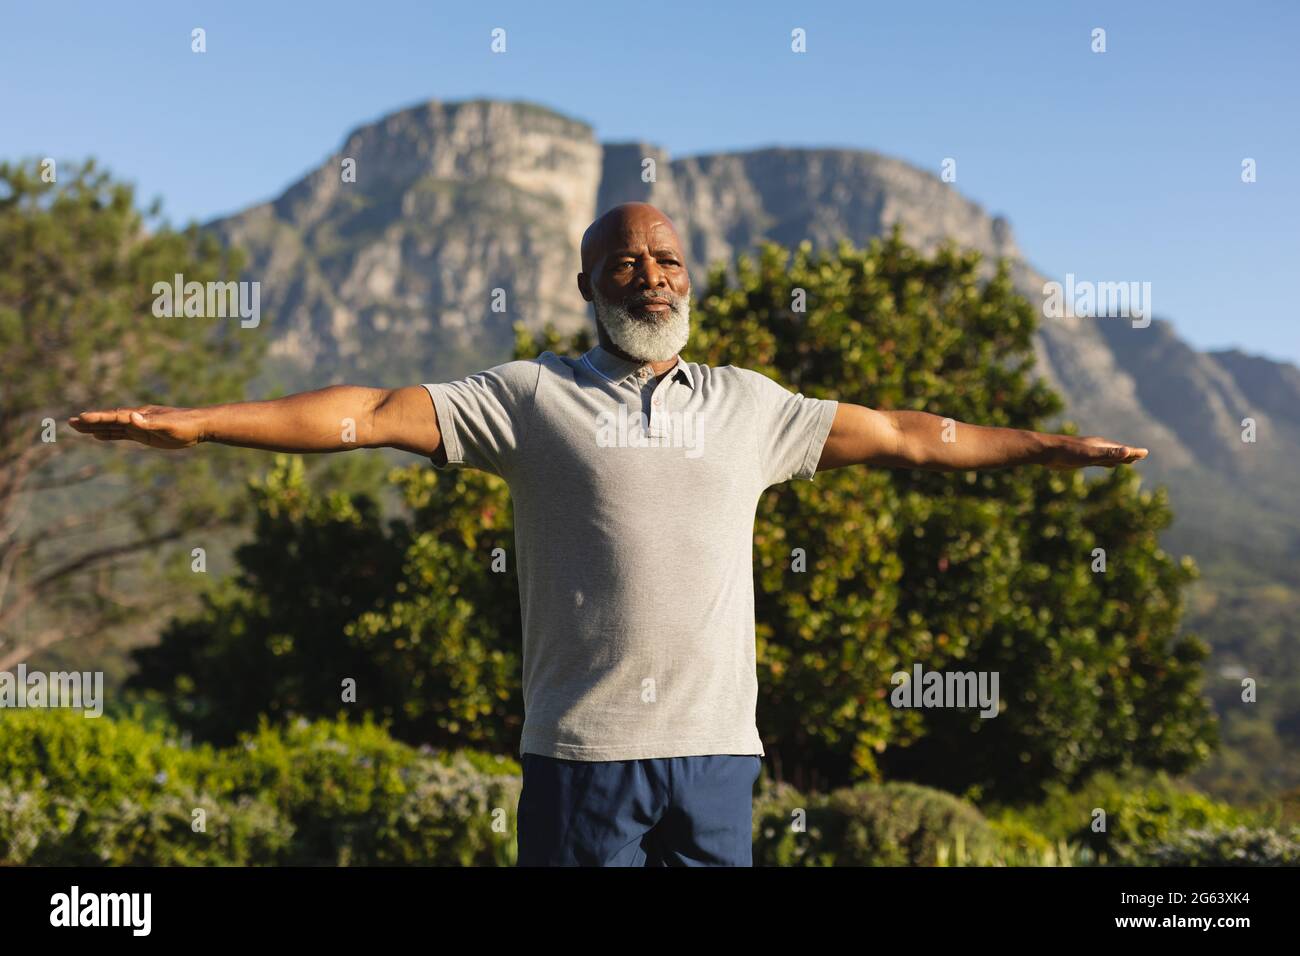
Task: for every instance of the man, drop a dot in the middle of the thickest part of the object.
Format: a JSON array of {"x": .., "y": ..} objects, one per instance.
[{"x": 635, "y": 478}]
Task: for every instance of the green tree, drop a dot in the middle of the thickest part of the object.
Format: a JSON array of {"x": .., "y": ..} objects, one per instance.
[
  {"x": 988, "y": 571},
  {"x": 77, "y": 330},
  {"x": 973, "y": 571},
  {"x": 410, "y": 612}
]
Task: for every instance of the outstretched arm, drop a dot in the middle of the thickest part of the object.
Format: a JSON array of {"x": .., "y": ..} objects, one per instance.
[
  {"x": 888, "y": 439},
  {"x": 337, "y": 418}
]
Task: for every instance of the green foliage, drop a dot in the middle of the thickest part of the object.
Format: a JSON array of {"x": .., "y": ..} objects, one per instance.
[
  {"x": 987, "y": 571},
  {"x": 1022, "y": 845},
  {"x": 271, "y": 642},
  {"x": 453, "y": 630},
  {"x": 454, "y": 814},
  {"x": 1155, "y": 822},
  {"x": 1141, "y": 814},
  {"x": 83, "y": 791},
  {"x": 894, "y": 824},
  {"x": 327, "y": 592},
  {"x": 356, "y": 796},
  {"x": 124, "y": 791},
  {"x": 1236, "y": 846},
  {"x": 77, "y": 331},
  {"x": 148, "y": 829}
]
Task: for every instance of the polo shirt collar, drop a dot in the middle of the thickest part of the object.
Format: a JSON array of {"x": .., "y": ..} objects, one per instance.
[{"x": 616, "y": 369}]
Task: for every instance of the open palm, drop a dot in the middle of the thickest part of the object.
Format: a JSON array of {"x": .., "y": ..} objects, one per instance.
[
  {"x": 1090, "y": 450},
  {"x": 158, "y": 426}
]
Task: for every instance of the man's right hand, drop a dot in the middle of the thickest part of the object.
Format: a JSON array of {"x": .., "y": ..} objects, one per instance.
[
  {"x": 158, "y": 426},
  {"x": 335, "y": 418}
]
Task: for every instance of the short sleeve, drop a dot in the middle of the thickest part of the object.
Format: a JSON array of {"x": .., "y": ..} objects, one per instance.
[
  {"x": 482, "y": 418},
  {"x": 791, "y": 429}
]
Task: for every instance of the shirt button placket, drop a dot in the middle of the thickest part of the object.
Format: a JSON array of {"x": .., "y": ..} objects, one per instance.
[
  {"x": 660, "y": 402},
  {"x": 643, "y": 375}
]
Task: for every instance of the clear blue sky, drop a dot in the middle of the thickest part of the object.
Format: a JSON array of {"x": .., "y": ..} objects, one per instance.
[{"x": 1116, "y": 166}]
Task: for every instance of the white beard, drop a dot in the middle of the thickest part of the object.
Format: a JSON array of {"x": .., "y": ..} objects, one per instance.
[{"x": 646, "y": 340}]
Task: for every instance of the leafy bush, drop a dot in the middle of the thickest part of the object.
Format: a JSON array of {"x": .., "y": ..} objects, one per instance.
[
  {"x": 66, "y": 753},
  {"x": 158, "y": 829},
  {"x": 80, "y": 791},
  {"x": 1141, "y": 814},
  {"x": 26, "y": 823},
  {"x": 355, "y": 795},
  {"x": 892, "y": 824},
  {"x": 1235, "y": 846},
  {"x": 77, "y": 792},
  {"x": 1022, "y": 845},
  {"x": 776, "y": 842},
  {"x": 102, "y": 791},
  {"x": 453, "y": 814},
  {"x": 122, "y": 812}
]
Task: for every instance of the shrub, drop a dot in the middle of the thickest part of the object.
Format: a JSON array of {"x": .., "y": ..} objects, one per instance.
[
  {"x": 76, "y": 792},
  {"x": 892, "y": 824},
  {"x": 453, "y": 815},
  {"x": 81, "y": 792},
  {"x": 1235, "y": 846},
  {"x": 1141, "y": 813},
  {"x": 26, "y": 824},
  {"x": 159, "y": 830},
  {"x": 154, "y": 829},
  {"x": 356, "y": 796},
  {"x": 1022, "y": 845},
  {"x": 64, "y": 753},
  {"x": 103, "y": 791},
  {"x": 776, "y": 842}
]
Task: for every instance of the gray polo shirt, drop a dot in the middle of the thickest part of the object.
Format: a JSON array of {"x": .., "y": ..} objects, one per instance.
[{"x": 634, "y": 538}]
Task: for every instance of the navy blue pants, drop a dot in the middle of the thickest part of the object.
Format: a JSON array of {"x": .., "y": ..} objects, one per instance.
[{"x": 665, "y": 811}]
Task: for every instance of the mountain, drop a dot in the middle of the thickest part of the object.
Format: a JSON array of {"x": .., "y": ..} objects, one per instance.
[
  {"x": 389, "y": 280},
  {"x": 390, "y": 276}
]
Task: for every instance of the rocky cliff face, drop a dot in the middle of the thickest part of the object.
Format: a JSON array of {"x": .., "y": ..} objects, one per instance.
[
  {"x": 391, "y": 278},
  {"x": 395, "y": 273},
  {"x": 454, "y": 200}
]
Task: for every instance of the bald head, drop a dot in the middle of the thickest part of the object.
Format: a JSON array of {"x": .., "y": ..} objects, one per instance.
[
  {"x": 634, "y": 270},
  {"x": 617, "y": 226}
]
